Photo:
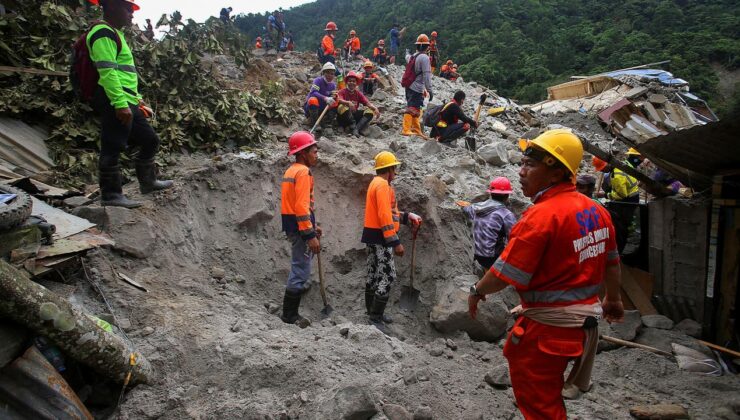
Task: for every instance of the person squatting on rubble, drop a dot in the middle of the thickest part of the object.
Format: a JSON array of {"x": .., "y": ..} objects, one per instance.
[
  {"x": 415, "y": 91},
  {"x": 299, "y": 222},
  {"x": 559, "y": 254},
  {"x": 380, "y": 234},
  {"x": 369, "y": 78},
  {"x": 380, "y": 56},
  {"x": 122, "y": 110},
  {"x": 322, "y": 94},
  {"x": 349, "y": 114},
  {"x": 492, "y": 222},
  {"x": 449, "y": 127},
  {"x": 444, "y": 71},
  {"x": 328, "y": 53},
  {"x": 352, "y": 45}
]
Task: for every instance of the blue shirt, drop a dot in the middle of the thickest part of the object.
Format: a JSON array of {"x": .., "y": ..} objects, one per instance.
[{"x": 395, "y": 37}]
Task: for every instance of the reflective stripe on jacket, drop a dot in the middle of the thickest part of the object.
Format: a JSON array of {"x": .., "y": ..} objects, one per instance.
[
  {"x": 382, "y": 218},
  {"x": 296, "y": 203},
  {"x": 116, "y": 71},
  {"x": 623, "y": 185},
  {"x": 558, "y": 252}
]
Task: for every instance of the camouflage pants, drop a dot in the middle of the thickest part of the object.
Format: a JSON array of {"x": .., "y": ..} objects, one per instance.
[{"x": 381, "y": 269}]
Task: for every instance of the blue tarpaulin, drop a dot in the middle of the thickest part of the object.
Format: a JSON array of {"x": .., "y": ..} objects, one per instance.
[{"x": 664, "y": 77}]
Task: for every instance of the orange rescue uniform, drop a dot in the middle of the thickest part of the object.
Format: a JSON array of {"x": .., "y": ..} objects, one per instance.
[
  {"x": 327, "y": 45},
  {"x": 296, "y": 204},
  {"x": 556, "y": 256},
  {"x": 355, "y": 45},
  {"x": 382, "y": 218}
]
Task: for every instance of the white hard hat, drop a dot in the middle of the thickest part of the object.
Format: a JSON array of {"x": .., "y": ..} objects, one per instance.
[{"x": 328, "y": 66}]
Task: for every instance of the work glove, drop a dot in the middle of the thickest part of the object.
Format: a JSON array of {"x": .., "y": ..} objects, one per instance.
[{"x": 330, "y": 101}]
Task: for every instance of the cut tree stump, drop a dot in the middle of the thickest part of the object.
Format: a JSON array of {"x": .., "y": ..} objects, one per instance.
[{"x": 73, "y": 330}]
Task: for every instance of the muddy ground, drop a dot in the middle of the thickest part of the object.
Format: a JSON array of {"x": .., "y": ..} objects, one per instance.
[{"x": 213, "y": 258}]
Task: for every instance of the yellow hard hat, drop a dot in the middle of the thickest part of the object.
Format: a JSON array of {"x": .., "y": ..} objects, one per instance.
[
  {"x": 563, "y": 145},
  {"x": 385, "y": 160},
  {"x": 633, "y": 151}
]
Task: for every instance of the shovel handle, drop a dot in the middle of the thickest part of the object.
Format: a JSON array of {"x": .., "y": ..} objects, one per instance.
[
  {"x": 321, "y": 280},
  {"x": 326, "y": 108},
  {"x": 413, "y": 261}
]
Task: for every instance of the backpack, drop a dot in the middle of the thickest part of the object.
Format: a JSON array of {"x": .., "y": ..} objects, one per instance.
[
  {"x": 409, "y": 75},
  {"x": 433, "y": 114},
  {"x": 82, "y": 72}
]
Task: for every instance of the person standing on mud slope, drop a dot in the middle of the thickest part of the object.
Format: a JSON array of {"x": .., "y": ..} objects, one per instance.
[
  {"x": 415, "y": 91},
  {"x": 299, "y": 222},
  {"x": 380, "y": 234},
  {"x": 122, "y": 110},
  {"x": 559, "y": 256}
]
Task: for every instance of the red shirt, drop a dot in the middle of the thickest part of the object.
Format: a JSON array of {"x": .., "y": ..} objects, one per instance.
[
  {"x": 558, "y": 252},
  {"x": 356, "y": 97}
]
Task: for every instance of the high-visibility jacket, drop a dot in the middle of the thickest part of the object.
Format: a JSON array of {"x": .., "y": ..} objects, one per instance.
[
  {"x": 558, "y": 252},
  {"x": 382, "y": 218},
  {"x": 355, "y": 44},
  {"x": 296, "y": 203},
  {"x": 116, "y": 71},
  {"x": 623, "y": 186},
  {"x": 258, "y": 45},
  {"x": 379, "y": 52},
  {"x": 327, "y": 45}
]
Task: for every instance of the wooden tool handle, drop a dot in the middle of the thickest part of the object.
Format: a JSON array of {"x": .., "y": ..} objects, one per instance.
[{"x": 321, "y": 280}]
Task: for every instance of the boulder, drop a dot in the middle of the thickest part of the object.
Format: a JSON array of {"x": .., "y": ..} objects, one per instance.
[
  {"x": 396, "y": 412},
  {"x": 95, "y": 215},
  {"x": 350, "y": 403},
  {"x": 494, "y": 154},
  {"x": 499, "y": 377},
  {"x": 77, "y": 201},
  {"x": 133, "y": 232},
  {"x": 628, "y": 329},
  {"x": 689, "y": 327},
  {"x": 379, "y": 95},
  {"x": 663, "y": 339},
  {"x": 423, "y": 412},
  {"x": 430, "y": 148},
  {"x": 374, "y": 132},
  {"x": 657, "y": 321},
  {"x": 450, "y": 314}
]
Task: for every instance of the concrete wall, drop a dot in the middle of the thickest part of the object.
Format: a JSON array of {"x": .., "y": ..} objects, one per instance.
[{"x": 678, "y": 255}]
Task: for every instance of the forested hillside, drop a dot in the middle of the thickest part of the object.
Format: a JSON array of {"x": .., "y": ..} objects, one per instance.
[{"x": 522, "y": 46}]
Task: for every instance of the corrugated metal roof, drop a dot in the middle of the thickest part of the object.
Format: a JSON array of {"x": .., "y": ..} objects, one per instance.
[{"x": 22, "y": 147}]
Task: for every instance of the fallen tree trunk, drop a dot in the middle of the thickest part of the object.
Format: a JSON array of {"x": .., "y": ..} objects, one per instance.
[{"x": 74, "y": 331}]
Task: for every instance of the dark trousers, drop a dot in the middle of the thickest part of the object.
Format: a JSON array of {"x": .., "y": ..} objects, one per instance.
[
  {"x": 368, "y": 87},
  {"x": 116, "y": 137},
  {"x": 414, "y": 99},
  {"x": 451, "y": 132},
  {"x": 348, "y": 117}
]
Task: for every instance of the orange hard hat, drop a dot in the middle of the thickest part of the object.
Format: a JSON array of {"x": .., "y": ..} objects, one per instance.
[
  {"x": 131, "y": 2},
  {"x": 599, "y": 164},
  {"x": 352, "y": 32},
  {"x": 434, "y": 34},
  {"x": 422, "y": 40},
  {"x": 331, "y": 26},
  {"x": 449, "y": 62},
  {"x": 381, "y": 42},
  {"x": 368, "y": 64},
  {"x": 300, "y": 140}
]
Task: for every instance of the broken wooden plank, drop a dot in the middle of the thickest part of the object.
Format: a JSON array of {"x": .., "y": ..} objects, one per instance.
[
  {"x": 635, "y": 293},
  {"x": 131, "y": 281}
]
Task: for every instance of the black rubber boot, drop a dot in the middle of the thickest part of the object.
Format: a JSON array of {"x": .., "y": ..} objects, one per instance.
[
  {"x": 291, "y": 302},
  {"x": 146, "y": 172},
  {"x": 313, "y": 115},
  {"x": 369, "y": 297},
  {"x": 364, "y": 121},
  {"x": 111, "y": 190},
  {"x": 376, "y": 312}
]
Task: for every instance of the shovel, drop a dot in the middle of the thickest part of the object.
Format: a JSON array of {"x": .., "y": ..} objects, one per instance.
[
  {"x": 410, "y": 295},
  {"x": 322, "y": 288},
  {"x": 470, "y": 142}
]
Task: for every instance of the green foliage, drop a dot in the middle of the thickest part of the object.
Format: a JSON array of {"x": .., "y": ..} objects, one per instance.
[
  {"x": 521, "y": 46},
  {"x": 193, "y": 109}
]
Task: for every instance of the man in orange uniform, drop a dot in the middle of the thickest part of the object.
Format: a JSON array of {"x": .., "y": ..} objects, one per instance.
[
  {"x": 258, "y": 43},
  {"x": 299, "y": 223},
  {"x": 380, "y": 56},
  {"x": 558, "y": 258},
  {"x": 329, "y": 53},
  {"x": 382, "y": 222},
  {"x": 433, "y": 51},
  {"x": 352, "y": 44}
]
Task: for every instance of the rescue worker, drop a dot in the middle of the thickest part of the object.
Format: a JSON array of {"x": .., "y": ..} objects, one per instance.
[
  {"x": 291, "y": 45},
  {"x": 449, "y": 127},
  {"x": 369, "y": 79},
  {"x": 415, "y": 93},
  {"x": 624, "y": 197},
  {"x": 329, "y": 53},
  {"x": 380, "y": 234},
  {"x": 149, "y": 30},
  {"x": 349, "y": 114},
  {"x": 225, "y": 14},
  {"x": 122, "y": 110},
  {"x": 322, "y": 94},
  {"x": 453, "y": 75},
  {"x": 560, "y": 254},
  {"x": 274, "y": 29},
  {"x": 492, "y": 222},
  {"x": 380, "y": 56},
  {"x": 444, "y": 71},
  {"x": 299, "y": 222},
  {"x": 258, "y": 44},
  {"x": 352, "y": 44},
  {"x": 395, "y": 35},
  {"x": 433, "y": 52},
  {"x": 625, "y": 187}
]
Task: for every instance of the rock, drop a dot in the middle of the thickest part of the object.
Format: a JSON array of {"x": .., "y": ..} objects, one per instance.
[
  {"x": 423, "y": 412},
  {"x": 494, "y": 154},
  {"x": 430, "y": 148},
  {"x": 448, "y": 179},
  {"x": 133, "y": 232},
  {"x": 465, "y": 164},
  {"x": 451, "y": 344},
  {"x": 379, "y": 95},
  {"x": 659, "y": 412},
  {"x": 95, "y": 215},
  {"x": 218, "y": 272},
  {"x": 273, "y": 308},
  {"x": 374, "y": 132},
  {"x": 303, "y": 397},
  {"x": 240, "y": 279},
  {"x": 77, "y": 201},
  {"x": 436, "y": 351},
  {"x": 396, "y": 412},
  {"x": 254, "y": 215},
  {"x": 662, "y": 339},
  {"x": 301, "y": 77},
  {"x": 515, "y": 157},
  {"x": 328, "y": 146},
  {"x": 498, "y": 377},
  {"x": 344, "y": 331},
  {"x": 657, "y": 321},
  {"x": 349, "y": 403},
  {"x": 531, "y": 134},
  {"x": 394, "y": 146},
  {"x": 147, "y": 331},
  {"x": 628, "y": 329},
  {"x": 689, "y": 327},
  {"x": 450, "y": 314},
  {"x": 410, "y": 377}
]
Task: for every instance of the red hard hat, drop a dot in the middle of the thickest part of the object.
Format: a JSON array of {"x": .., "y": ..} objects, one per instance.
[
  {"x": 500, "y": 185},
  {"x": 599, "y": 164},
  {"x": 331, "y": 26},
  {"x": 134, "y": 5},
  {"x": 353, "y": 74},
  {"x": 299, "y": 141}
]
